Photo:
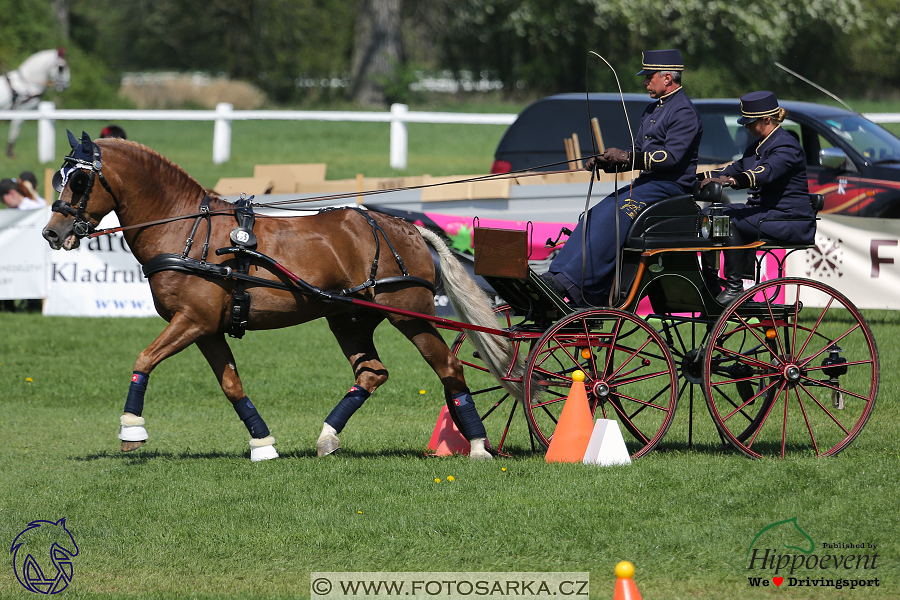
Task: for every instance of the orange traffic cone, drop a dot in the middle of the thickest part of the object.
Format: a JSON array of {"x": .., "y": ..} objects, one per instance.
[
  {"x": 573, "y": 431},
  {"x": 446, "y": 438},
  {"x": 625, "y": 587}
]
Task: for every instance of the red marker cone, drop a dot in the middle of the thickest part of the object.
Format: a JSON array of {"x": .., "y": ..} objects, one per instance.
[
  {"x": 446, "y": 438},
  {"x": 573, "y": 431},
  {"x": 625, "y": 587}
]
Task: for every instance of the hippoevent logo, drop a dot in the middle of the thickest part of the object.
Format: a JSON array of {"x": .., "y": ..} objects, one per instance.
[
  {"x": 42, "y": 556},
  {"x": 783, "y": 554}
]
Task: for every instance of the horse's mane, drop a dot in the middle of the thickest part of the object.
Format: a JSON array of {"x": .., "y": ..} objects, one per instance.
[
  {"x": 36, "y": 57},
  {"x": 150, "y": 160}
]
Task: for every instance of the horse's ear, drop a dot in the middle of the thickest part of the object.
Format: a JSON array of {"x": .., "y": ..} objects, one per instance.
[
  {"x": 87, "y": 144},
  {"x": 73, "y": 141}
]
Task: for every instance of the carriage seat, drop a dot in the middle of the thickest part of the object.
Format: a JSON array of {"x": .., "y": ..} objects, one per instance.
[
  {"x": 669, "y": 223},
  {"x": 817, "y": 202}
]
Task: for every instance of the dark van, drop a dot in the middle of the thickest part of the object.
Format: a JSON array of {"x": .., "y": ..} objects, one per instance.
[{"x": 852, "y": 161}]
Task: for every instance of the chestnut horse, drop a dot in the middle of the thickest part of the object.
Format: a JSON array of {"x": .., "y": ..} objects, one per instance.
[{"x": 332, "y": 250}]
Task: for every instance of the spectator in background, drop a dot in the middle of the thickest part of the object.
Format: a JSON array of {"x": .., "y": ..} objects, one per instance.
[
  {"x": 113, "y": 131},
  {"x": 28, "y": 180},
  {"x": 15, "y": 195},
  {"x": 20, "y": 193}
]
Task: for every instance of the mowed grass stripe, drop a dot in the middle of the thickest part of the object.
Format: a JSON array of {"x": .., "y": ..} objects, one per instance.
[{"x": 189, "y": 515}]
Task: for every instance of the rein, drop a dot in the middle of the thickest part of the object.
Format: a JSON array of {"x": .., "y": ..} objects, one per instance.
[{"x": 341, "y": 196}]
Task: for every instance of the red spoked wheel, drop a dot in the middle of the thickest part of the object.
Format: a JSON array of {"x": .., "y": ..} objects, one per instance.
[
  {"x": 497, "y": 407},
  {"x": 794, "y": 372},
  {"x": 629, "y": 375}
]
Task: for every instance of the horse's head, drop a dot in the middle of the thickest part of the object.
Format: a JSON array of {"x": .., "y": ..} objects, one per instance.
[
  {"x": 59, "y": 75},
  {"x": 80, "y": 206}
]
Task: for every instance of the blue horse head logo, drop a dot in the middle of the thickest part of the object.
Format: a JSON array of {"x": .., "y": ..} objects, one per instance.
[{"x": 38, "y": 540}]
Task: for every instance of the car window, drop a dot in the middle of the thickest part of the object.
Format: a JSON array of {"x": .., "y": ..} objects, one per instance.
[
  {"x": 721, "y": 141},
  {"x": 874, "y": 142}
]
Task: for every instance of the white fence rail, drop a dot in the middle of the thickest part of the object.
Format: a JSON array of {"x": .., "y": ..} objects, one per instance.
[{"x": 398, "y": 117}]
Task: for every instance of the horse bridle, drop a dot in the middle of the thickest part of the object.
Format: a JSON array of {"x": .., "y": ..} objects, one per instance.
[{"x": 78, "y": 174}]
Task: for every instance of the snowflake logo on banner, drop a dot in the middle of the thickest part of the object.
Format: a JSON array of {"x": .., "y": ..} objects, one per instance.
[{"x": 826, "y": 259}]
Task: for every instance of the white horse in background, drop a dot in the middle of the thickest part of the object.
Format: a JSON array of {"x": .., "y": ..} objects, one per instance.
[{"x": 22, "y": 89}]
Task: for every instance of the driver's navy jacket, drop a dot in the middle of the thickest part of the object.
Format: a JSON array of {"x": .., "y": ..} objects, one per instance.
[
  {"x": 774, "y": 170},
  {"x": 668, "y": 140}
]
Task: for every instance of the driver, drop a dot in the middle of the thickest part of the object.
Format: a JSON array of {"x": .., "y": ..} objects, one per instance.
[
  {"x": 778, "y": 208},
  {"x": 665, "y": 152}
]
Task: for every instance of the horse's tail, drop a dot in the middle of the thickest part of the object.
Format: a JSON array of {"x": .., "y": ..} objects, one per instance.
[{"x": 472, "y": 306}]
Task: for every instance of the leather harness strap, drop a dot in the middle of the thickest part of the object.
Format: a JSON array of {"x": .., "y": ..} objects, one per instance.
[{"x": 244, "y": 251}]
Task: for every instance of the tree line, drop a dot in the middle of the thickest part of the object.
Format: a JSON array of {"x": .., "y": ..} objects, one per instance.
[{"x": 374, "y": 48}]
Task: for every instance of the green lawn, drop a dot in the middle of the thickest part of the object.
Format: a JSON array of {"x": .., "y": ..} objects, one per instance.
[{"x": 189, "y": 516}]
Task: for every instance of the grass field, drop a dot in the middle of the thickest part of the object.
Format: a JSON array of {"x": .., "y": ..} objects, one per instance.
[{"x": 189, "y": 516}]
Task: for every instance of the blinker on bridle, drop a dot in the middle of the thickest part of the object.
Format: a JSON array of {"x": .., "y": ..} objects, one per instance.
[{"x": 78, "y": 174}]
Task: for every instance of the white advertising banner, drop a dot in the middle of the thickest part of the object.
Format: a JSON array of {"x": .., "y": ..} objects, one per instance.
[
  {"x": 856, "y": 256},
  {"x": 101, "y": 278},
  {"x": 23, "y": 254}
]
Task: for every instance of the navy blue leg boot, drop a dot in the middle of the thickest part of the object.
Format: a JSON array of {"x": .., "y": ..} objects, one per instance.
[
  {"x": 469, "y": 423},
  {"x": 262, "y": 444},
  {"x": 328, "y": 442},
  {"x": 131, "y": 424}
]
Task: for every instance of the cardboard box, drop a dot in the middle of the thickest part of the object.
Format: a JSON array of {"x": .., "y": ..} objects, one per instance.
[
  {"x": 469, "y": 190},
  {"x": 252, "y": 186},
  {"x": 286, "y": 178}
]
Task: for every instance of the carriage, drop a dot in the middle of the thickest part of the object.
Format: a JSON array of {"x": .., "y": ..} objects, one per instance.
[{"x": 790, "y": 366}]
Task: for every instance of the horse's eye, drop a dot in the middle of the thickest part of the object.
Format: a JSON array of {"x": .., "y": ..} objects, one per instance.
[{"x": 78, "y": 182}]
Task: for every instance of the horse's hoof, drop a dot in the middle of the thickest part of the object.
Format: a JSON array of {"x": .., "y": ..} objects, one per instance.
[
  {"x": 327, "y": 444},
  {"x": 478, "y": 449},
  {"x": 262, "y": 449},
  {"x": 129, "y": 446},
  {"x": 480, "y": 455},
  {"x": 132, "y": 432}
]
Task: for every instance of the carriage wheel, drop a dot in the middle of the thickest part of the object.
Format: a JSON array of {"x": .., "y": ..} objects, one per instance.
[
  {"x": 629, "y": 375},
  {"x": 798, "y": 373},
  {"x": 496, "y": 406}
]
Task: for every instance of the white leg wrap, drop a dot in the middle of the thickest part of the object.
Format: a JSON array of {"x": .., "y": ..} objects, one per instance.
[
  {"x": 131, "y": 428},
  {"x": 262, "y": 449}
]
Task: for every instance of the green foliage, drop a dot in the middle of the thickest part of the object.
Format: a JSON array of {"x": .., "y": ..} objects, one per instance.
[
  {"x": 27, "y": 27},
  {"x": 543, "y": 45},
  {"x": 267, "y": 42}
]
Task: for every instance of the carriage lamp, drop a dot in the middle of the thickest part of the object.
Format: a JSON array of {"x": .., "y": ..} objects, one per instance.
[
  {"x": 834, "y": 366},
  {"x": 716, "y": 224}
]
